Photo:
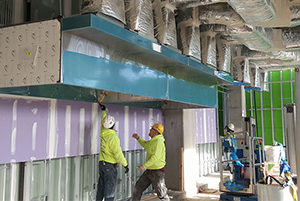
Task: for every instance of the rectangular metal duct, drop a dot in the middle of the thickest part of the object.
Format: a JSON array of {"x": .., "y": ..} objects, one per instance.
[{"x": 30, "y": 54}]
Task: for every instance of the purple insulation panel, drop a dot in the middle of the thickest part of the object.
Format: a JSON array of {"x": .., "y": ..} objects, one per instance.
[
  {"x": 206, "y": 128},
  {"x": 37, "y": 129}
]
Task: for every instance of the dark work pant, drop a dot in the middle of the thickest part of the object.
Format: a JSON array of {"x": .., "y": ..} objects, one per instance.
[
  {"x": 107, "y": 181},
  {"x": 154, "y": 177}
]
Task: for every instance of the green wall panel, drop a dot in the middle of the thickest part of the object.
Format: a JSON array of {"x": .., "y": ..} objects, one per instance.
[
  {"x": 293, "y": 75},
  {"x": 276, "y": 94},
  {"x": 294, "y": 92},
  {"x": 259, "y": 124},
  {"x": 267, "y": 99},
  {"x": 287, "y": 96},
  {"x": 258, "y": 101},
  {"x": 286, "y": 93},
  {"x": 286, "y": 75},
  {"x": 278, "y": 126},
  {"x": 275, "y": 76},
  {"x": 248, "y": 104},
  {"x": 221, "y": 113},
  {"x": 268, "y": 127}
]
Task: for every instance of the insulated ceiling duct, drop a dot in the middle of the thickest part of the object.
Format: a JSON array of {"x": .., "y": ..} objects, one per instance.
[
  {"x": 195, "y": 3},
  {"x": 291, "y": 37},
  {"x": 254, "y": 10},
  {"x": 220, "y": 14}
]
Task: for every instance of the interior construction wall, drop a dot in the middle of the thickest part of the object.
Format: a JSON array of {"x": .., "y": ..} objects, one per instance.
[
  {"x": 37, "y": 129},
  {"x": 270, "y": 111}
]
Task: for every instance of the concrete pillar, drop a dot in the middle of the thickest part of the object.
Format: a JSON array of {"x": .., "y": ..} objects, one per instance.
[
  {"x": 180, "y": 132},
  {"x": 67, "y": 8},
  {"x": 174, "y": 142},
  {"x": 18, "y": 11},
  {"x": 297, "y": 136}
]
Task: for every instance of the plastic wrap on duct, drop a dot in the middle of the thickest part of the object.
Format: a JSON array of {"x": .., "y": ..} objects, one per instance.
[
  {"x": 246, "y": 71},
  {"x": 189, "y": 33},
  {"x": 164, "y": 21},
  {"x": 187, "y": 15},
  {"x": 84, "y": 46},
  {"x": 224, "y": 56},
  {"x": 254, "y": 10},
  {"x": 252, "y": 77},
  {"x": 255, "y": 38},
  {"x": 241, "y": 70},
  {"x": 291, "y": 37},
  {"x": 220, "y": 14},
  {"x": 258, "y": 78},
  {"x": 112, "y": 8},
  {"x": 295, "y": 15},
  {"x": 255, "y": 77},
  {"x": 208, "y": 48},
  {"x": 266, "y": 79},
  {"x": 195, "y": 3},
  {"x": 139, "y": 17},
  {"x": 190, "y": 40}
]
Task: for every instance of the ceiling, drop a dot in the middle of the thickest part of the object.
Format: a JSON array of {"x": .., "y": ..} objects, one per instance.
[{"x": 264, "y": 32}]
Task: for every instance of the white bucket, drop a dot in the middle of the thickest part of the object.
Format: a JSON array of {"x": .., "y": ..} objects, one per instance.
[
  {"x": 273, "y": 154},
  {"x": 273, "y": 192}
]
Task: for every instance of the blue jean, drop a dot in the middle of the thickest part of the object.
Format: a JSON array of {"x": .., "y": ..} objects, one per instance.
[{"x": 107, "y": 181}]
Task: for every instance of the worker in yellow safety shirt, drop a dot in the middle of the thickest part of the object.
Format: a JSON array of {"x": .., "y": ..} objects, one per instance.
[
  {"x": 109, "y": 157},
  {"x": 154, "y": 165}
]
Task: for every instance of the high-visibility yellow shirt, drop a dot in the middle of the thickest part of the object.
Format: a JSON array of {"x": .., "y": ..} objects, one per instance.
[
  {"x": 156, "y": 152},
  {"x": 110, "y": 148}
]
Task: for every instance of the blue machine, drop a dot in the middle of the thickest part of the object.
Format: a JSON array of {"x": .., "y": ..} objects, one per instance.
[{"x": 242, "y": 154}]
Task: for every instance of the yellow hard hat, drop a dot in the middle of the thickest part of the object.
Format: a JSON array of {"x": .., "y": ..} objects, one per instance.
[{"x": 158, "y": 127}]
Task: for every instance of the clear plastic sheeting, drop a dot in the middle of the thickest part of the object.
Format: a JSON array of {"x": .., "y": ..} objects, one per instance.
[
  {"x": 208, "y": 48},
  {"x": 164, "y": 21},
  {"x": 220, "y": 14},
  {"x": 254, "y": 10},
  {"x": 255, "y": 77},
  {"x": 139, "y": 17},
  {"x": 266, "y": 79},
  {"x": 224, "y": 56},
  {"x": 241, "y": 69},
  {"x": 291, "y": 37},
  {"x": 190, "y": 40},
  {"x": 195, "y": 3},
  {"x": 295, "y": 15},
  {"x": 255, "y": 38},
  {"x": 112, "y": 8},
  {"x": 189, "y": 33}
]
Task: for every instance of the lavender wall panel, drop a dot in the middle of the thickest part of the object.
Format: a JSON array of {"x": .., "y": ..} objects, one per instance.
[
  {"x": 6, "y": 114},
  {"x": 31, "y": 136},
  {"x": 138, "y": 123},
  {"x": 36, "y": 129},
  {"x": 206, "y": 130}
]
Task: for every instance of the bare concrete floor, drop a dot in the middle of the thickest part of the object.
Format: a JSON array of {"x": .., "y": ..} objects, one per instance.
[
  {"x": 212, "y": 193},
  {"x": 180, "y": 196}
]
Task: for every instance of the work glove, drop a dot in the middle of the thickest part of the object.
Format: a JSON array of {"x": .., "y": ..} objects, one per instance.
[
  {"x": 126, "y": 169},
  {"x": 102, "y": 106}
]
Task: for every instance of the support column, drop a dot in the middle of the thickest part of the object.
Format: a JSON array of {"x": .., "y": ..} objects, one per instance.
[
  {"x": 18, "y": 13},
  {"x": 67, "y": 8},
  {"x": 297, "y": 137},
  {"x": 180, "y": 132},
  {"x": 174, "y": 143}
]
